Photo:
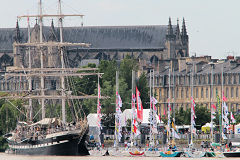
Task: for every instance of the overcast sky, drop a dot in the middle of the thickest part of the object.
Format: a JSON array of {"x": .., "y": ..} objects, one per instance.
[{"x": 213, "y": 25}]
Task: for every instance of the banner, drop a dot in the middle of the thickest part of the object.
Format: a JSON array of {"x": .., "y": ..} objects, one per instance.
[{"x": 139, "y": 106}]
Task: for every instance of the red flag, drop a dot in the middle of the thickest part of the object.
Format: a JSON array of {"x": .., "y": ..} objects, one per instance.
[
  {"x": 169, "y": 105},
  {"x": 164, "y": 111},
  {"x": 224, "y": 98},
  {"x": 213, "y": 106},
  {"x": 139, "y": 106}
]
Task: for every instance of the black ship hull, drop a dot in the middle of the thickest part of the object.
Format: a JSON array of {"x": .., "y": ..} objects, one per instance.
[
  {"x": 69, "y": 144},
  {"x": 231, "y": 154}
]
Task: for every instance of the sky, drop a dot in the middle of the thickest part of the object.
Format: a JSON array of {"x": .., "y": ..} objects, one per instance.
[{"x": 213, "y": 25}]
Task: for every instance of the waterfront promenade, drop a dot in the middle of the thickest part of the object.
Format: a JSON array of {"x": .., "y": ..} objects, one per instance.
[{"x": 4, "y": 156}]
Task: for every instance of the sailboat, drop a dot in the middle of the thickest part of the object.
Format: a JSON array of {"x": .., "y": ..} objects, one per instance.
[
  {"x": 153, "y": 150},
  {"x": 170, "y": 153},
  {"x": 50, "y": 135}
]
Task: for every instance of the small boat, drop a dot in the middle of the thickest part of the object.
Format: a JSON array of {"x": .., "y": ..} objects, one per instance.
[
  {"x": 136, "y": 153},
  {"x": 199, "y": 154},
  {"x": 170, "y": 154},
  {"x": 232, "y": 154}
]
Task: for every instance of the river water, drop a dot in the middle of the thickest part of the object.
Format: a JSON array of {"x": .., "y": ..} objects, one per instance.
[{"x": 4, "y": 156}]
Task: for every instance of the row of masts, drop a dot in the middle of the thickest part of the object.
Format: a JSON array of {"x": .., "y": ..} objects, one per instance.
[{"x": 42, "y": 70}]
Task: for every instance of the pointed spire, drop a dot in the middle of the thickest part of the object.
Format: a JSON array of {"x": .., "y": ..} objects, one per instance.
[
  {"x": 184, "y": 30},
  {"x": 17, "y": 36},
  {"x": 184, "y": 35},
  {"x": 52, "y": 34},
  {"x": 170, "y": 29},
  {"x": 170, "y": 35},
  {"x": 177, "y": 32}
]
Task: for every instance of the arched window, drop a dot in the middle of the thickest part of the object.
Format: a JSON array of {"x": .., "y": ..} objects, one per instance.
[
  {"x": 236, "y": 91},
  {"x": 196, "y": 92},
  {"x": 201, "y": 92},
  {"x": 182, "y": 93},
  {"x": 226, "y": 92},
  {"x": 232, "y": 92},
  {"x": 206, "y": 92}
]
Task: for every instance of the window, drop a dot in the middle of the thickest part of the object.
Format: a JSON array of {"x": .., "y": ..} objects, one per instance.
[
  {"x": 199, "y": 79},
  {"x": 196, "y": 92},
  {"x": 235, "y": 79},
  {"x": 232, "y": 90},
  {"x": 177, "y": 93},
  {"x": 229, "y": 79},
  {"x": 187, "y": 93},
  {"x": 204, "y": 79},
  {"x": 209, "y": 78},
  {"x": 237, "y": 92},
  {"x": 206, "y": 92},
  {"x": 160, "y": 93},
  {"x": 239, "y": 78},
  {"x": 226, "y": 92},
  {"x": 182, "y": 93},
  {"x": 219, "y": 79},
  {"x": 202, "y": 93},
  {"x": 224, "y": 79}
]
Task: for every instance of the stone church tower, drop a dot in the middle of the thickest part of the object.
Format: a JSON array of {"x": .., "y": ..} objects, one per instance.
[{"x": 177, "y": 42}]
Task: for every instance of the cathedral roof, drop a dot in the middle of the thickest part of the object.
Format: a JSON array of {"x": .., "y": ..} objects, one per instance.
[{"x": 102, "y": 37}]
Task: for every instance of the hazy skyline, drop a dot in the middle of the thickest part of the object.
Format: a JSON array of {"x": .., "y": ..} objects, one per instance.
[{"x": 213, "y": 25}]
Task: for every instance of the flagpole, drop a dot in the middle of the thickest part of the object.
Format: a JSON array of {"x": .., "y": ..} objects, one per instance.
[
  {"x": 116, "y": 130},
  {"x": 98, "y": 112},
  {"x": 221, "y": 127},
  {"x": 150, "y": 96},
  {"x": 133, "y": 73},
  {"x": 169, "y": 104},
  {"x": 153, "y": 104},
  {"x": 212, "y": 65},
  {"x": 191, "y": 142}
]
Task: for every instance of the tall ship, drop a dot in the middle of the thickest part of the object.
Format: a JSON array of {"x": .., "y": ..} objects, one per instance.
[{"x": 54, "y": 123}]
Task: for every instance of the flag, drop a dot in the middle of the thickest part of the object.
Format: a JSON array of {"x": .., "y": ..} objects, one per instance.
[
  {"x": 119, "y": 100},
  {"x": 169, "y": 105},
  {"x": 154, "y": 100},
  {"x": 224, "y": 98},
  {"x": 139, "y": 106},
  {"x": 232, "y": 118},
  {"x": 174, "y": 133},
  {"x": 135, "y": 129},
  {"x": 213, "y": 106}
]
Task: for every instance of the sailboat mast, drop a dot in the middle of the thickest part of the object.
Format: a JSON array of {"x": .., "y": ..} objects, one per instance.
[
  {"x": 116, "y": 121},
  {"x": 41, "y": 59},
  {"x": 211, "y": 98},
  {"x": 191, "y": 127},
  {"x": 221, "y": 118},
  {"x": 133, "y": 109},
  {"x": 62, "y": 63},
  {"x": 151, "y": 112},
  {"x": 169, "y": 104},
  {"x": 154, "y": 116}
]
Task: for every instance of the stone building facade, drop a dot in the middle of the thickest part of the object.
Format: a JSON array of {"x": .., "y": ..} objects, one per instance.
[{"x": 181, "y": 81}]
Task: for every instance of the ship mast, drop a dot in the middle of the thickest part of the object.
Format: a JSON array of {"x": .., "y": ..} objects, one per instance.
[
  {"x": 30, "y": 78},
  {"x": 62, "y": 63},
  {"x": 41, "y": 58}
]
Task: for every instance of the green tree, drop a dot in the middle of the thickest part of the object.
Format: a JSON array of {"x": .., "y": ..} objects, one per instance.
[{"x": 143, "y": 87}]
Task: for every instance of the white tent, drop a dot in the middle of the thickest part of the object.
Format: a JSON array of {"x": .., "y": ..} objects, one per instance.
[
  {"x": 92, "y": 122},
  {"x": 92, "y": 119},
  {"x": 127, "y": 114},
  {"x": 237, "y": 129}
]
